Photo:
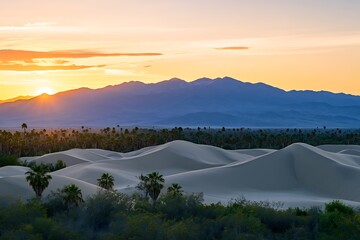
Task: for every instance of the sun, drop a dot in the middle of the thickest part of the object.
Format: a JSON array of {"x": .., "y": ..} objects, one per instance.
[{"x": 45, "y": 90}]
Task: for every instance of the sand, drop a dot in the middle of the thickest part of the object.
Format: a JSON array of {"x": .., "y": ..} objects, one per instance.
[{"x": 299, "y": 175}]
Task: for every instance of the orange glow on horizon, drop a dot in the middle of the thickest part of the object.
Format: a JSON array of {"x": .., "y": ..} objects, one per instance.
[{"x": 45, "y": 90}]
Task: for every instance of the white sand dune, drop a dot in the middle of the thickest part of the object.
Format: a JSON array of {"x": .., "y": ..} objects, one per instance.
[
  {"x": 350, "y": 152},
  {"x": 298, "y": 175},
  {"x": 9, "y": 171},
  {"x": 17, "y": 186},
  {"x": 296, "y": 172},
  {"x": 170, "y": 158},
  {"x": 339, "y": 148},
  {"x": 255, "y": 152},
  {"x": 73, "y": 156}
]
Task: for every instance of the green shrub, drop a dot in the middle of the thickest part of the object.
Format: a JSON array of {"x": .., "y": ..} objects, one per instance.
[
  {"x": 101, "y": 207},
  {"x": 338, "y": 206},
  {"x": 8, "y": 160}
]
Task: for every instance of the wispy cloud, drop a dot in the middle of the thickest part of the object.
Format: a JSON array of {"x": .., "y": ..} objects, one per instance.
[
  {"x": 22, "y": 60},
  {"x": 233, "y": 48},
  {"x": 28, "y": 26},
  {"x": 35, "y": 67},
  {"x": 7, "y": 55},
  {"x": 287, "y": 44},
  {"x": 48, "y": 27}
]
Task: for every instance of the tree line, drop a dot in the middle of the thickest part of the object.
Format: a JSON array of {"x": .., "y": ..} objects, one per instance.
[{"x": 38, "y": 142}]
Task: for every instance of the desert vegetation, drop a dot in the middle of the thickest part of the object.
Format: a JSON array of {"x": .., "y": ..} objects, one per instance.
[
  {"x": 147, "y": 214},
  {"x": 106, "y": 181},
  {"x": 155, "y": 212},
  {"x": 38, "y": 179},
  {"x": 113, "y": 215},
  {"x": 38, "y": 142},
  {"x": 151, "y": 185}
]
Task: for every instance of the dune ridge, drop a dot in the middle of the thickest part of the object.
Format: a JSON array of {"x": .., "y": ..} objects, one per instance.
[{"x": 298, "y": 175}]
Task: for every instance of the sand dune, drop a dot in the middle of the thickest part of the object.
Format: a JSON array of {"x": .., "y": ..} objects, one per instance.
[
  {"x": 297, "y": 172},
  {"x": 350, "y": 152},
  {"x": 339, "y": 148},
  {"x": 73, "y": 156},
  {"x": 298, "y": 175},
  {"x": 255, "y": 152},
  {"x": 9, "y": 171},
  {"x": 17, "y": 186}
]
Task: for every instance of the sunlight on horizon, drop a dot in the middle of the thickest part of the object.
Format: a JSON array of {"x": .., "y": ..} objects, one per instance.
[{"x": 45, "y": 90}]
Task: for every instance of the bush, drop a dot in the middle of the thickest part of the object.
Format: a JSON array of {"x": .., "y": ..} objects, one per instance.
[
  {"x": 112, "y": 215},
  {"x": 337, "y": 206},
  {"x": 54, "y": 203},
  {"x": 8, "y": 160},
  {"x": 101, "y": 207},
  {"x": 143, "y": 226},
  {"x": 51, "y": 167},
  {"x": 177, "y": 207}
]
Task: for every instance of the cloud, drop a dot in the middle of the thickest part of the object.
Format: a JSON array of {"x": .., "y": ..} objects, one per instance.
[
  {"x": 233, "y": 48},
  {"x": 35, "y": 67},
  {"x": 60, "y": 61},
  {"x": 48, "y": 27},
  {"x": 7, "y": 55},
  {"x": 22, "y": 60},
  {"x": 28, "y": 26}
]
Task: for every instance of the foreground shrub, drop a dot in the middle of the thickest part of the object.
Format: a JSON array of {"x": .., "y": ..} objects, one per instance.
[
  {"x": 337, "y": 206},
  {"x": 111, "y": 215},
  {"x": 180, "y": 206},
  {"x": 8, "y": 160},
  {"x": 101, "y": 208}
]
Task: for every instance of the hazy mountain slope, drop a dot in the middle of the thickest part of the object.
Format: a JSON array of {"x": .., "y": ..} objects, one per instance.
[
  {"x": 206, "y": 102},
  {"x": 16, "y": 99}
]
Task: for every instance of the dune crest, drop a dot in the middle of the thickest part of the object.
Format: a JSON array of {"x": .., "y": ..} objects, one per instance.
[{"x": 297, "y": 175}]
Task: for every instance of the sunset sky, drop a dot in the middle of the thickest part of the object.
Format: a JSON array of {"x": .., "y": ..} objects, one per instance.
[{"x": 50, "y": 46}]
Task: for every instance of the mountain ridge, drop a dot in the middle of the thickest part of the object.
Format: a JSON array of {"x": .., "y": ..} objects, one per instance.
[
  {"x": 176, "y": 102},
  {"x": 27, "y": 97}
]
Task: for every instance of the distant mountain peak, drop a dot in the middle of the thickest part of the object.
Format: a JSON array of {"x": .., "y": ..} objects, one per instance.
[
  {"x": 126, "y": 84},
  {"x": 202, "y": 81},
  {"x": 175, "y": 79},
  {"x": 228, "y": 79},
  {"x": 132, "y": 83},
  {"x": 172, "y": 83},
  {"x": 222, "y": 101}
]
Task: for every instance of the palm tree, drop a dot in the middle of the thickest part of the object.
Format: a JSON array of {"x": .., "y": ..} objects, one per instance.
[
  {"x": 143, "y": 184},
  {"x": 72, "y": 195},
  {"x": 60, "y": 164},
  {"x": 156, "y": 183},
  {"x": 24, "y": 127},
  {"x": 38, "y": 179},
  {"x": 106, "y": 181},
  {"x": 175, "y": 190}
]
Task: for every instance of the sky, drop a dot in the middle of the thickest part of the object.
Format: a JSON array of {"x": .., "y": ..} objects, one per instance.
[{"x": 51, "y": 46}]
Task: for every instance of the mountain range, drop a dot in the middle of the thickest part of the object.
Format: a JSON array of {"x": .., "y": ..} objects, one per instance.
[
  {"x": 204, "y": 102},
  {"x": 16, "y": 99}
]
